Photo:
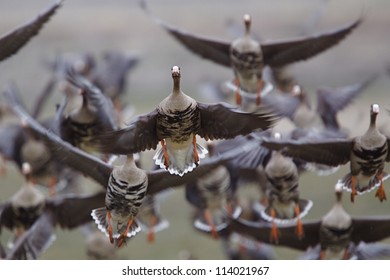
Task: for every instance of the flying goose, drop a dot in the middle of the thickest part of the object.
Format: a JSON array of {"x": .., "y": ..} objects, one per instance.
[
  {"x": 247, "y": 57},
  {"x": 175, "y": 123},
  {"x": 126, "y": 184},
  {"x": 211, "y": 194},
  {"x": 336, "y": 235},
  {"x": 367, "y": 155},
  {"x": 94, "y": 116}
]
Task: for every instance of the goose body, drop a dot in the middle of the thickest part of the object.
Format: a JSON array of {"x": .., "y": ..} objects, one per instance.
[
  {"x": 175, "y": 123},
  {"x": 126, "y": 191}
]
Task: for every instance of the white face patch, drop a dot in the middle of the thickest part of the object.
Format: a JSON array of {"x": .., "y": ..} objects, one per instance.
[
  {"x": 375, "y": 108},
  {"x": 26, "y": 168},
  {"x": 277, "y": 136},
  {"x": 338, "y": 187},
  {"x": 247, "y": 17},
  {"x": 175, "y": 70}
]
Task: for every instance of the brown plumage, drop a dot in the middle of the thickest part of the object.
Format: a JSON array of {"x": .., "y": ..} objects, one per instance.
[
  {"x": 175, "y": 123},
  {"x": 247, "y": 57},
  {"x": 367, "y": 155},
  {"x": 337, "y": 231},
  {"x": 14, "y": 40}
]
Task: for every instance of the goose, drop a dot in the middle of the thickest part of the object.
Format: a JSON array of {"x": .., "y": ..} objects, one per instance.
[
  {"x": 126, "y": 184},
  {"x": 367, "y": 155},
  {"x": 247, "y": 57},
  {"x": 175, "y": 123}
]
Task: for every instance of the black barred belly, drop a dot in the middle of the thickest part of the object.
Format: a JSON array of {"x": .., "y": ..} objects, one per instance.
[
  {"x": 371, "y": 160},
  {"x": 178, "y": 125},
  {"x": 82, "y": 132},
  {"x": 128, "y": 201},
  {"x": 247, "y": 61},
  {"x": 26, "y": 216}
]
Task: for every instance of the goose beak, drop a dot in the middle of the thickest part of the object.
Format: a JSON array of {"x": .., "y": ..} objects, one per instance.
[
  {"x": 375, "y": 108},
  {"x": 175, "y": 71}
]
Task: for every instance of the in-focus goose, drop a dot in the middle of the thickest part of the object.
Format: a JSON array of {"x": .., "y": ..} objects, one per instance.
[
  {"x": 247, "y": 57},
  {"x": 175, "y": 123},
  {"x": 14, "y": 40},
  {"x": 126, "y": 184},
  {"x": 367, "y": 155}
]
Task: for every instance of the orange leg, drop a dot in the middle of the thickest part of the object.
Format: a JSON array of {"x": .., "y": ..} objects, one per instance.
[
  {"x": 299, "y": 229},
  {"x": 166, "y": 158},
  {"x": 52, "y": 186},
  {"x": 238, "y": 96},
  {"x": 3, "y": 166},
  {"x": 124, "y": 234},
  {"x": 18, "y": 232},
  {"x": 346, "y": 254},
  {"x": 153, "y": 222},
  {"x": 229, "y": 209},
  {"x": 380, "y": 194},
  {"x": 129, "y": 223},
  {"x": 196, "y": 155},
  {"x": 353, "y": 189},
  {"x": 274, "y": 229},
  {"x": 259, "y": 89},
  {"x": 110, "y": 227},
  {"x": 209, "y": 220},
  {"x": 322, "y": 255}
]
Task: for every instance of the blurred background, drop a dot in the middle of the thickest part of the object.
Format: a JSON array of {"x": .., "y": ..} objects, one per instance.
[{"x": 96, "y": 25}]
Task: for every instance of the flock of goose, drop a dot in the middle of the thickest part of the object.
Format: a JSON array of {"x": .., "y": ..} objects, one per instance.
[{"x": 240, "y": 174}]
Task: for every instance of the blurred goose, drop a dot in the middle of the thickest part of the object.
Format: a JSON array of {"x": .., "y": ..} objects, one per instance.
[
  {"x": 110, "y": 76},
  {"x": 29, "y": 206},
  {"x": 150, "y": 218},
  {"x": 334, "y": 236},
  {"x": 175, "y": 123},
  {"x": 99, "y": 248},
  {"x": 14, "y": 40},
  {"x": 94, "y": 116},
  {"x": 211, "y": 194},
  {"x": 126, "y": 184},
  {"x": 241, "y": 247},
  {"x": 22, "y": 145},
  {"x": 284, "y": 204},
  {"x": 330, "y": 101},
  {"x": 367, "y": 155},
  {"x": 247, "y": 57}
]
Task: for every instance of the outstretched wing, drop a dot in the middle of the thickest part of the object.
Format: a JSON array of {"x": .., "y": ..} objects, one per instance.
[
  {"x": 330, "y": 101},
  {"x": 333, "y": 152},
  {"x": 72, "y": 211},
  {"x": 261, "y": 231},
  {"x": 223, "y": 121},
  {"x": 370, "y": 229},
  {"x": 281, "y": 53},
  {"x": 214, "y": 50},
  {"x": 34, "y": 241},
  {"x": 11, "y": 42},
  {"x": 139, "y": 135},
  {"x": 63, "y": 151}
]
